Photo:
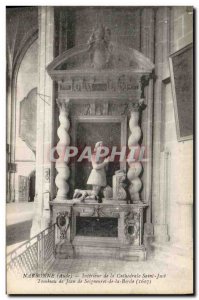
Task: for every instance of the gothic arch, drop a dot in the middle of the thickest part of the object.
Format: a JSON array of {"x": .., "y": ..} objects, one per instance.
[
  {"x": 12, "y": 72},
  {"x": 25, "y": 45}
]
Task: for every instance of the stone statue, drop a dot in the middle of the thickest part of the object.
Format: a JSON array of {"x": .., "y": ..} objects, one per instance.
[
  {"x": 119, "y": 192},
  {"x": 108, "y": 192},
  {"x": 97, "y": 176},
  {"x": 100, "y": 47},
  {"x": 82, "y": 195}
]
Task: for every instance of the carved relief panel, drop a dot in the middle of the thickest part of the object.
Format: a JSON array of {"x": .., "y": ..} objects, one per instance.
[
  {"x": 129, "y": 221},
  {"x": 63, "y": 221},
  {"x": 132, "y": 227}
]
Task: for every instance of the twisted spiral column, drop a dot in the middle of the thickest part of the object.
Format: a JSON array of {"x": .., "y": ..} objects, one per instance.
[
  {"x": 135, "y": 168},
  {"x": 63, "y": 171}
]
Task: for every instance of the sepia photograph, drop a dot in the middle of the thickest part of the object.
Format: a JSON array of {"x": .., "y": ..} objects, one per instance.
[{"x": 99, "y": 150}]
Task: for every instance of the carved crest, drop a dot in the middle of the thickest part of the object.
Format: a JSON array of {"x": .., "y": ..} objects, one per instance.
[
  {"x": 63, "y": 223},
  {"x": 100, "y": 47},
  {"x": 132, "y": 227}
]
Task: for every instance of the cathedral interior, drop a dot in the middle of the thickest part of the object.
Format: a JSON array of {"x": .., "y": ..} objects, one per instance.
[{"x": 80, "y": 75}]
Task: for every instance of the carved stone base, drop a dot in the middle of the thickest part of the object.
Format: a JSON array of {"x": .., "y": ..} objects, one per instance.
[
  {"x": 96, "y": 252},
  {"x": 79, "y": 250},
  {"x": 112, "y": 230},
  {"x": 133, "y": 253},
  {"x": 90, "y": 201},
  {"x": 148, "y": 238},
  {"x": 113, "y": 201},
  {"x": 64, "y": 250}
]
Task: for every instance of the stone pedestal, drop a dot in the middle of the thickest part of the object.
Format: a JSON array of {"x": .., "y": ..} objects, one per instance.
[
  {"x": 126, "y": 244},
  {"x": 110, "y": 95},
  {"x": 64, "y": 249}
]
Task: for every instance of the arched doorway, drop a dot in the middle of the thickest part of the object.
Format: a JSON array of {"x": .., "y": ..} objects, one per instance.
[{"x": 32, "y": 178}]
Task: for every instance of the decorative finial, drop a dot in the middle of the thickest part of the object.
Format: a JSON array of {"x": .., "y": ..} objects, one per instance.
[{"x": 100, "y": 47}]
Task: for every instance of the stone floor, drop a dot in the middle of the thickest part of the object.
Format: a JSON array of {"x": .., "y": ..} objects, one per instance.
[
  {"x": 178, "y": 273},
  {"x": 19, "y": 212},
  {"x": 18, "y": 223},
  {"x": 76, "y": 266},
  {"x": 177, "y": 278}
]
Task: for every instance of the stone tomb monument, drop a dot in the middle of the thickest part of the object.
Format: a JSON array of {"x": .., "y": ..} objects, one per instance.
[{"x": 102, "y": 83}]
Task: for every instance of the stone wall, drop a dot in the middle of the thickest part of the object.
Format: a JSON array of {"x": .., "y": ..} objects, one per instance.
[
  {"x": 180, "y": 154},
  {"x": 181, "y": 27},
  {"x": 124, "y": 24},
  {"x": 75, "y": 24}
]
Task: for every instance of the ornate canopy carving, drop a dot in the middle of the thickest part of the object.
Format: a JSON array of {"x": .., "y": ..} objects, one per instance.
[
  {"x": 88, "y": 59},
  {"x": 101, "y": 68}
]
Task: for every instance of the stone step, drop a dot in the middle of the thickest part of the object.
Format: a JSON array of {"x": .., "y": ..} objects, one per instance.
[{"x": 173, "y": 254}]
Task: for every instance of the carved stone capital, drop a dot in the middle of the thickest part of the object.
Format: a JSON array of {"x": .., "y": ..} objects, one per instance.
[
  {"x": 63, "y": 105},
  {"x": 133, "y": 107},
  {"x": 144, "y": 80}
]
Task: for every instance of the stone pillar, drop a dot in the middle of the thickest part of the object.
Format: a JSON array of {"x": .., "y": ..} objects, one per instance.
[
  {"x": 10, "y": 177},
  {"x": 135, "y": 168},
  {"x": 44, "y": 120},
  {"x": 63, "y": 171},
  {"x": 161, "y": 63},
  {"x": 148, "y": 170},
  {"x": 147, "y": 32},
  {"x": 185, "y": 231},
  {"x": 147, "y": 48},
  {"x": 10, "y": 115}
]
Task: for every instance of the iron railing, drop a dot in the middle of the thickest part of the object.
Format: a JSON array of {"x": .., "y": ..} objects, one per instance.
[{"x": 35, "y": 255}]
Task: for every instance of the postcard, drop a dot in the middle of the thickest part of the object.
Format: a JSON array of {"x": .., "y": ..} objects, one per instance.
[{"x": 99, "y": 150}]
